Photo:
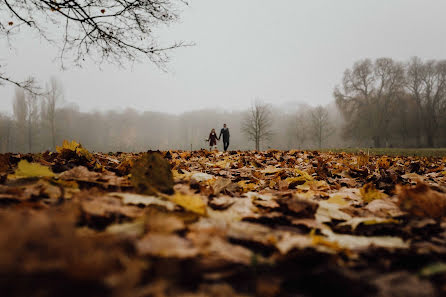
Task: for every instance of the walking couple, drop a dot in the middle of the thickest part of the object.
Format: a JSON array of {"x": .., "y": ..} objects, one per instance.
[{"x": 213, "y": 138}]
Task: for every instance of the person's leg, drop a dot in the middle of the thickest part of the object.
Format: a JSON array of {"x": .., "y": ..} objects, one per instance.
[{"x": 226, "y": 145}]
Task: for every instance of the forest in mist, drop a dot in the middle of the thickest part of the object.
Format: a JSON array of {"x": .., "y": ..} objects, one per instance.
[{"x": 381, "y": 103}]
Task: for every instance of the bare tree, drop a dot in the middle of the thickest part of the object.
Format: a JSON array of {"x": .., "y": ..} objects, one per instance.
[
  {"x": 5, "y": 133},
  {"x": 104, "y": 30},
  {"x": 320, "y": 125},
  {"x": 257, "y": 123},
  {"x": 369, "y": 95},
  {"x": 53, "y": 96},
  {"x": 299, "y": 129},
  {"x": 426, "y": 83},
  {"x": 20, "y": 110},
  {"x": 25, "y": 109}
]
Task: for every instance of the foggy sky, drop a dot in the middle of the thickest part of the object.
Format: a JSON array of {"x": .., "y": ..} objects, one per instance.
[{"x": 281, "y": 51}]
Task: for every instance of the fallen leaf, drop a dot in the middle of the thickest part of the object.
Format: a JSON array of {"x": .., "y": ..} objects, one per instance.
[
  {"x": 166, "y": 245},
  {"x": 326, "y": 212},
  {"x": 433, "y": 269},
  {"x": 355, "y": 222},
  {"x": 362, "y": 242},
  {"x": 192, "y": 203},
  {"x": 136, "y": 199},
  {"x": 151, "y": 174},
  {"x": 421, "y": 201},
  {"x": 26, "y": 169},
  {"x": 201, "y": 177},
  {"x": 370, "y": 193},
  {"x": 337, "y": 199}
]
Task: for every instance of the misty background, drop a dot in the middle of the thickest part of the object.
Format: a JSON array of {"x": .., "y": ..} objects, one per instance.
[{"x": 289, "y": 54}]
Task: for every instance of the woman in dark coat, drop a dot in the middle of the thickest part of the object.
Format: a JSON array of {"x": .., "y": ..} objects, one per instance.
[{"x": 212, "y": 139}]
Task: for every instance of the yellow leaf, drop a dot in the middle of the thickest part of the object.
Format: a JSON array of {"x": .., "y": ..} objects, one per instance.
[
  {"x": 315, "y": 185},
  {"x": 26, "y": 169},
  {"x": 302, "y": 174},
  {"x": 321, "y": 240},
  {"x": 337, "y": 199},
  {"x": 67, "y": 146},
  {"x": 223, "y": 164},
  {"x": 180, "y": 176},
  {"x": 192, "y": 203},
  {"x": 370, "y": 193},
  {"x": 300, "y": 177},
  {"x": 246, "y": 186},
  {"x": 355, "y": 222},
  {"x": 383, "y": 162},
  {"x": 362, "y": 160},
  {"x": 74, "y": 147}
]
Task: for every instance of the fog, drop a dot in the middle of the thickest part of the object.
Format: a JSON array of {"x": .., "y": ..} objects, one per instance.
[
  {"x": 133, "y": 131},
  {"x": 281, "y": 51},
  {"x": 378, "y": 103},
  {"x": 304, "y": 61}
]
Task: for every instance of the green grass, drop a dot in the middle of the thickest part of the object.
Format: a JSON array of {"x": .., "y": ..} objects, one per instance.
[{"x": 420, "y": 152}]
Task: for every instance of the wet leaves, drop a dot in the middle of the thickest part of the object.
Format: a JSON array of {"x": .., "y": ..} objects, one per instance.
[{"x": 221, "y": 224}]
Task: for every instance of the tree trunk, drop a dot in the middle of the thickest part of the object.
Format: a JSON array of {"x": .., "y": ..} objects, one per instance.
[
  {"x": 430, "y": 139},
  {"x": 8, "y": 138},
  {"x": 377, "y": 141},
  {"x": 29, "y": 136},
  {"x": 53, "y": 135}
]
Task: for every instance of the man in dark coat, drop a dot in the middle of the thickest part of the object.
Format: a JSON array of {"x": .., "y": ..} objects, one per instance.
[{"x": 225, "y": 132}]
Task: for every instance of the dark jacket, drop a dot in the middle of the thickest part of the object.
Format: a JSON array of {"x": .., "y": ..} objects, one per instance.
[
  {"x": 225, "y": 133},
  {"x": 212, "y": 139}
]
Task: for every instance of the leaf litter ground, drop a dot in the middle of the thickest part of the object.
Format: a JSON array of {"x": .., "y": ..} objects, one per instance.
[{"x": 275, "y": 223}]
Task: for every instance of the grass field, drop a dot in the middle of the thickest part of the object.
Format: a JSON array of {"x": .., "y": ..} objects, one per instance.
[{"x": 421, "y": 152}]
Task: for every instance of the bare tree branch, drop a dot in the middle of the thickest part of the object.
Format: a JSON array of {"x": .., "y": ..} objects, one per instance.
[{"x": 114, "y": 31}]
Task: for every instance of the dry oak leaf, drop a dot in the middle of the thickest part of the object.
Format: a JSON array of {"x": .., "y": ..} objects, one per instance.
[{"x": 421, "y": 201}]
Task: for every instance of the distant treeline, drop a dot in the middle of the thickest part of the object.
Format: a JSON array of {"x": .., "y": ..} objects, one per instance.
[
  {"x": 380, "y": 103},
  {"x": 394, "y": 104},
  {"x": 29, "y": 129}
]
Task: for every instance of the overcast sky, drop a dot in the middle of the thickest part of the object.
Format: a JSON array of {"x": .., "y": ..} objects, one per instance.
[{"x": 280, "y": 51}]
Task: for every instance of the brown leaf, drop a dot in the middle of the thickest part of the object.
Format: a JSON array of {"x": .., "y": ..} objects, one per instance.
[
  {"x": 166, "y": 245},
  {"x": 300, "y": 207},
  {"x": 421, "y": 201},
  {"x": 151, "y": 173}
]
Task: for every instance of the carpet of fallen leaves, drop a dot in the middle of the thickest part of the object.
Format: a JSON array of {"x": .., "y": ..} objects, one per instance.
[{"x": 275, "y": 223}]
